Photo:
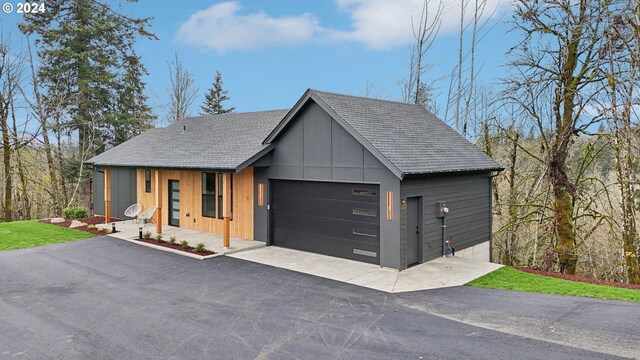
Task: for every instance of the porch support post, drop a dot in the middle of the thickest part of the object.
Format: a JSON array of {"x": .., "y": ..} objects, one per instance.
[
  {"x": 107, "y": 195},
  {"x": 158, "y": 196},
  {"x": 226, "y": 209}
]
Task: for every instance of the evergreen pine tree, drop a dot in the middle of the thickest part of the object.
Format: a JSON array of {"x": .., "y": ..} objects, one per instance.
[
  {"x": 88, "y": 63},
  {"x": 214, "y": 98}
]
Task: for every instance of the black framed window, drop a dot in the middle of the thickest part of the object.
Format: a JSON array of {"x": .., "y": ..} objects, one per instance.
[
  {"x": 209, "y": 195},
  {"x": 147, "y": 180}
]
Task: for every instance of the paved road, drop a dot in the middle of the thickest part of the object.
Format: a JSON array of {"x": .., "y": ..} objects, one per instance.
[{"x": 108, "y": 299}]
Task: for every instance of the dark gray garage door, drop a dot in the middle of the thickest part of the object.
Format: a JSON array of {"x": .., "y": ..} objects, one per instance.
[{"x": 336, "y": 219}]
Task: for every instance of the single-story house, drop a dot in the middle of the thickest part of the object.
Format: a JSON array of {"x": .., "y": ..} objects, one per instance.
[{"x": 353, "y": 177}]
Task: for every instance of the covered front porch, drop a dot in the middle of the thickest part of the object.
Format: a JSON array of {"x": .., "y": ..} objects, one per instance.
[
  {"x": 129, "y": 230},
  {"x": 198, "y": 200}
]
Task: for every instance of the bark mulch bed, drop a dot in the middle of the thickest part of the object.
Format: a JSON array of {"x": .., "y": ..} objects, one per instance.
[
  {"x": 579, "y": 278},
  {"x": 176, "y": 246},
  {"x": 94, "y": 220}
]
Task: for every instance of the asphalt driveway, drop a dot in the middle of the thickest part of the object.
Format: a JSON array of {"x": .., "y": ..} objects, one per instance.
[{"x": 108, "y": 299}]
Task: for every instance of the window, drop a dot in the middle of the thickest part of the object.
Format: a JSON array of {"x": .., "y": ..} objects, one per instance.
[
  {"x": 365, "y": 212},
  {"x": 363, "y": 192},
  {"x": 147, "y": 180},
  {"x": 212, "y": 189},
  {"x": 209, "y": 194}
]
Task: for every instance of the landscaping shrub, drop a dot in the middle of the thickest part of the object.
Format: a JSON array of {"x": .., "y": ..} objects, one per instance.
[
  {"x": 146, "y": 235},
  {"x": 75, "y": 212},
  {"x": 158, "y": 238},
  {"x": 200, "y": 247},
  {"x": 173, "y": 239},
  {"x": 184, "y": 244}
]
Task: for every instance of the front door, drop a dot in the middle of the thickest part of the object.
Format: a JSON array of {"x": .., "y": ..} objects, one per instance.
[
  {"x": 414, "y": 230},
  {"x": 174, "y": 202}
]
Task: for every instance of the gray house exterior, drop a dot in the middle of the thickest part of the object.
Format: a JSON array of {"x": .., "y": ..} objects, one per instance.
[
  {"x": 124, "y": 180},
  {"x": 351, "y": 177}
]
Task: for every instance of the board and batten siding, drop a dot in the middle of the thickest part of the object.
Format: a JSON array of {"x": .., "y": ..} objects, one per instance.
[
  {"x": 468, "y": 198},
  {"x": 191, "y": 201},
  {"x": 123, "y": 190},
  {"x": 315, "y": 147}
]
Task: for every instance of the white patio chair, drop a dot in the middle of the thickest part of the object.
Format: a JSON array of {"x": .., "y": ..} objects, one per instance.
[
  {"x": 147, "y": 215},
  {"x": 133, "y": 211}
]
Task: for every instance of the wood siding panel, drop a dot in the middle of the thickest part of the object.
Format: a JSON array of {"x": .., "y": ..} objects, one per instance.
[{"x": 191, "y": 201}]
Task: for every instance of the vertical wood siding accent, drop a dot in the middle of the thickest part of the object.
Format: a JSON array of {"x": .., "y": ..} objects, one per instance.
[{"x": 191, "y": 201}]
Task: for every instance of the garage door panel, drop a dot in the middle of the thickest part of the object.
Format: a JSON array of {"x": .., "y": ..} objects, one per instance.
[
  {"x": 330, "y": 246},
  {"x": 336, "y": 219},
  {"x": 331, "y": 227},
  {"x": 330, "y": 208},
  {"x": 367, "y": 193}
]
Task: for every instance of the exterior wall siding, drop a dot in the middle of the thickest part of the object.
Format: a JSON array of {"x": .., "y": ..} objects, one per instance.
[
  {"x": 191, "y": 201},
  {"x": 468, "y": 198},
  {"x": 123, "y": 190},
  {"x": 315, "y": 147}
]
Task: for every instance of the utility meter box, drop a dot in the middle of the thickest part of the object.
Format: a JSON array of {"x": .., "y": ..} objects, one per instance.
[{"x": 443, "y": 210}]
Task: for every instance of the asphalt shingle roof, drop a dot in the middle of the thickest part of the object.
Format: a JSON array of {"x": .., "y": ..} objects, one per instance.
[
  {"x": 209, "y": 142},
  {"x": 409, "y": 136}
]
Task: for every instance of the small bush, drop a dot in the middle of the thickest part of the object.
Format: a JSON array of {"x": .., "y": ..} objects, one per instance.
[
  {"x": 93, "y": 227},
  {"x": 146, "y": 235},
  {"x": 75, "y": 212},
  {"x": 184, "y": 244},
  {"x": 200, "y": 247},
  {"x": 158, "y": 238},
  {"x": 173, "y": 239}
]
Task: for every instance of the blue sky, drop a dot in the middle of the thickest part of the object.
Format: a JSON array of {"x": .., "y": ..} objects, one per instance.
[{"x": 269, "y": 52}]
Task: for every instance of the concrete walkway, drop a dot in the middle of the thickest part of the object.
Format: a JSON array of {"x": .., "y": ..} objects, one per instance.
[
  {"x": 128, "y": 230},
  {"x": 439, "y": 273}
]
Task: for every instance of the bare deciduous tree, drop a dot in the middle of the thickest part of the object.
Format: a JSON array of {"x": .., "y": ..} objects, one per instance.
[
  {"x": 622, "y": 69},
  {"x": 10, "y": 73},
  {"x": 414, "y": 88},
  {"x": 182, "y": 92},
  {"x": 558, "y": 63}
]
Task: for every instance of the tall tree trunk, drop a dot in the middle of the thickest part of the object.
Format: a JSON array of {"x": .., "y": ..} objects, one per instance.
[
  {"x": 64, "y": 196},
  {"x": 20, "y": 165},
  {"x": 463, "y": 5},
  {"x": 563, "y": 210},
  {"x": 6, "y": 159},
  {"x": 42, "y": 114}
]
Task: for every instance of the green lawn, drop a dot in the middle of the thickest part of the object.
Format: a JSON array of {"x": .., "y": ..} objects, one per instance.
[
  {"x": 26, "y": 234},
  {"x": 511, "y": 279}
]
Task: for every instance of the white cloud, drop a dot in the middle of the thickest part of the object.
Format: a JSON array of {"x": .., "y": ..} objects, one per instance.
[
  {"x": 378, "y": 24},
  {"x": 384, "y": 24},
  {"x": 222, "y": 28}
]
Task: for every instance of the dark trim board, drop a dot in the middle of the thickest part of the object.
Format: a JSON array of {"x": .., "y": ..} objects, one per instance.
[{"x": 331, "y": 218}]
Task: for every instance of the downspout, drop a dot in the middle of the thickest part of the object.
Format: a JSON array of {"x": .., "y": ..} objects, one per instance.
[{"x": 491, "y": 214}]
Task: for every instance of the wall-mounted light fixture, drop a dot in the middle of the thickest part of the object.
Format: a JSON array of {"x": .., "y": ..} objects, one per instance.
[
  {"x": 389, "y": 205},
  {"x": 260, "y": 194},
  {"x": 403, "y": 203}
]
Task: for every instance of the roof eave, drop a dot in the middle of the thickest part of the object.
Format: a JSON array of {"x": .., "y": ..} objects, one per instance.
[{"x": 255, "y": 157}]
